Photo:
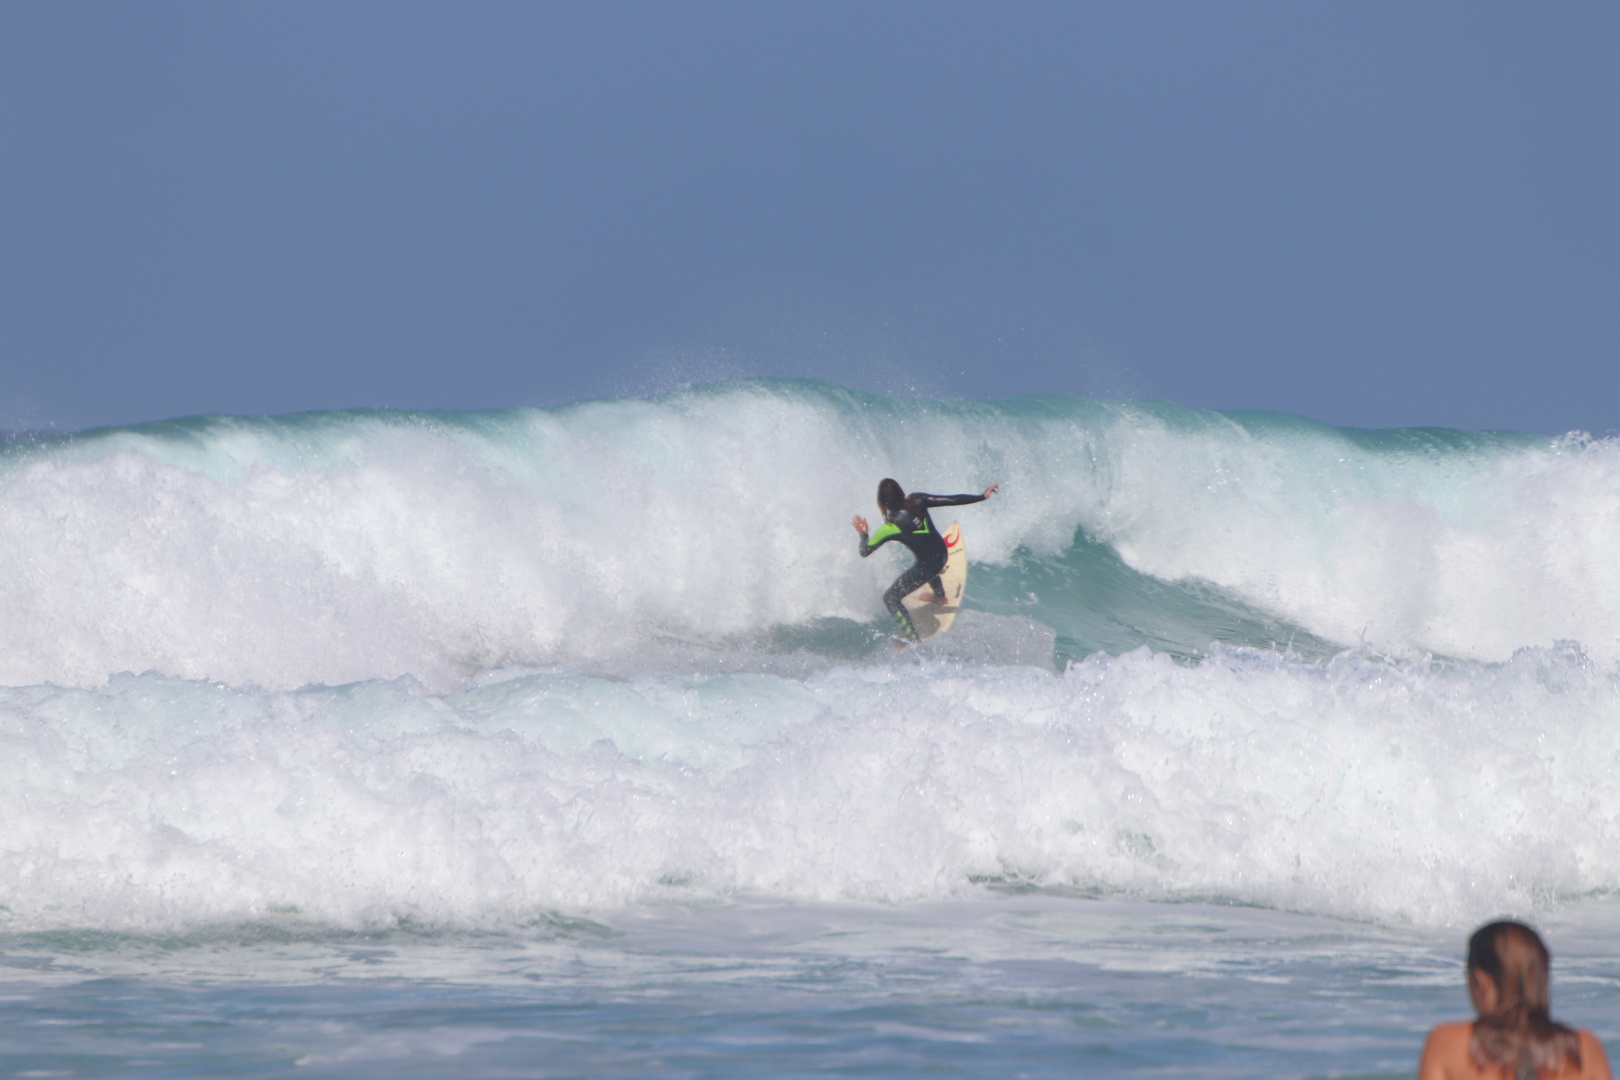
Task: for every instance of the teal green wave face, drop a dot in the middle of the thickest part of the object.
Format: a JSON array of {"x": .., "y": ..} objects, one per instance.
[{"x": 1096, "y": 603}]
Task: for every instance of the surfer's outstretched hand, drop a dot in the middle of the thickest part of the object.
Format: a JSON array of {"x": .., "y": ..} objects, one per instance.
[
  {"x": 860, "y": 524},
  {"x": 991, "y": 490}
]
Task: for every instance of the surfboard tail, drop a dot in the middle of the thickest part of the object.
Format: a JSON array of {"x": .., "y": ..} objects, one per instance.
[{"x": 931, "y": 616}]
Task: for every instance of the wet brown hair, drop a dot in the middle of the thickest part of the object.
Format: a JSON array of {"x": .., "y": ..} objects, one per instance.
[
  {"x": 891, "y": 496},
  {"x": 1519, "y": 1034}
]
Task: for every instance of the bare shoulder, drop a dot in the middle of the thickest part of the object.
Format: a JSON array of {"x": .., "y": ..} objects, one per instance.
[
  {"x": 1594, "y": 1062},
  {"x": 1445, "y": 1054},
  {"x": 1459, "y": 1033}
]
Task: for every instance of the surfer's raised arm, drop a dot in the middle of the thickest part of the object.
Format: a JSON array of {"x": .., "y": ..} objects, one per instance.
[
  {"x": 885, "y": 534},
  {"x": 955, "y": 500}
]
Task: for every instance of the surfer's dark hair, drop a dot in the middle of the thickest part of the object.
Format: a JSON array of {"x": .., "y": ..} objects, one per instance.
[
  {"x": 1518, "y": 1035},
  {"x": 891, "y": 496}
]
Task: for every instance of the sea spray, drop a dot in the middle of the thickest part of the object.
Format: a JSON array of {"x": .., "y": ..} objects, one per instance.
[{"x": 330, "y": 548}]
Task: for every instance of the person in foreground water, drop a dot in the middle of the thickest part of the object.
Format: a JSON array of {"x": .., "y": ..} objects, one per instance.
[
  {"x": 905, "y": 518},
  {"x": 1514, "y": 1038}
]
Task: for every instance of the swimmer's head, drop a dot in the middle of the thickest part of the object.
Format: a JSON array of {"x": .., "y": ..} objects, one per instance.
[
  {"x": 1507, "y": 980},
  {"x": 891, "y": 496},
  {"x": 1514, "y": 957}
]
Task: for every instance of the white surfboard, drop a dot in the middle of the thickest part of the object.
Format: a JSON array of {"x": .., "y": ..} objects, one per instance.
[{"x": 928, "y": 616}]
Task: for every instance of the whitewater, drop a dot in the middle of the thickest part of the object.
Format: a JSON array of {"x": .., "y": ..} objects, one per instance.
[{"x": 550, "y": 720}]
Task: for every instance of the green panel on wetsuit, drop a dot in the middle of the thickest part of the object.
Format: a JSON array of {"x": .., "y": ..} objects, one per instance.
[{"x": 886, "y": 530}]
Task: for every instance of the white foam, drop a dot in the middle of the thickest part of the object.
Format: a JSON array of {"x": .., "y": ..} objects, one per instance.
[
  {"x": 1397, "y": 792},
  {"x": 1463, "y": 553},
  {"x": 330, "y": 549},
  {"x": 394, "y": 547}
]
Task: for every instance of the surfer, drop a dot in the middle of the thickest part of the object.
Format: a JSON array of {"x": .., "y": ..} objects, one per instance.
[
  {"x": 905, "y": 518},
  {"x": 1514, "y": 1037}
]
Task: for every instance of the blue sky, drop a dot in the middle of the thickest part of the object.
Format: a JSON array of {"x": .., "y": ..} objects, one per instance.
[{"x": 1371, "y": 214}]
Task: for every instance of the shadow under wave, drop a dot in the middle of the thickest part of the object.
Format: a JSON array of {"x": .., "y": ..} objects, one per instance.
[
  {"x": 1096, "y": 603},
  {"x": 802, "y": 650}
]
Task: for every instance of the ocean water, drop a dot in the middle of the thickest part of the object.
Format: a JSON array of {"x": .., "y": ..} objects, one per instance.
[{"x": 571, "y": 742}]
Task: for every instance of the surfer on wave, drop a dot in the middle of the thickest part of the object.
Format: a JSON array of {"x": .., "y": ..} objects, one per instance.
[
  {"x": 905, "y": 518},
  {"x": 1514, "y": 1038}
]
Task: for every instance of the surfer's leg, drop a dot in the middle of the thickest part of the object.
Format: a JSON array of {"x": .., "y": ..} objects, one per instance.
[
  {"x": 903, "y": 586},
  {"x": 929, "y": 571}
]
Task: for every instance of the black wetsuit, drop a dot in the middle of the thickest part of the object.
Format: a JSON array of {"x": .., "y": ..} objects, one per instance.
[{"x": 912, "y": 526}]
